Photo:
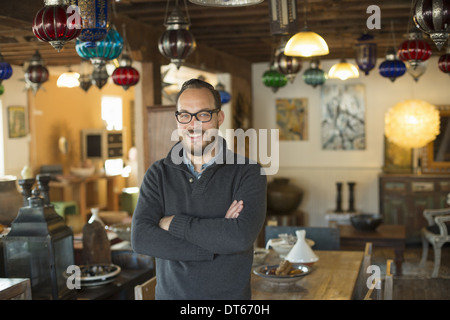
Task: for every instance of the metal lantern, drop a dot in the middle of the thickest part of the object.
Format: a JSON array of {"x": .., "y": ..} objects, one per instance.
[
  {"x": 417, "y": 71},
  {"x": 392, "y": 67},
  {"x": 85, "y": 75},
  {"x": 444, "y": 62},
  {"x": 433, "y": 18},
  {"x": 366, "y": 53},
  {"x": 52, "y": 24},
  {"x": 125, "y": 75},
  {"x": 225, "y": 96},
  {"x": 283, "y": 17},
  {"x": 287, "y": 65},
  {"x": 107, "y": 49},
  {"x": 177, "y": 42},
  {"x": 274, "y": 79},
  {"x": 5, "y": 69},
  {"x": 39, "y": 246},
  {"x": 94, "y": 16},
  {"x": 314, "y": 76},
  {"x": 36, "y": 73},
  {"x": 100, "y": 75},
  {"x": 415, "y": 49}
]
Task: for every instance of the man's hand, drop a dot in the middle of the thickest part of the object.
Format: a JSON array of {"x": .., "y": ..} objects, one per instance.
[
  {"x": 164, "y": 223},
  {"x": 234, "y": 210}
]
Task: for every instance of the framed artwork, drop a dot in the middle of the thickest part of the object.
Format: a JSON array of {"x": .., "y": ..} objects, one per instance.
[
  {"x": 435, "y": 156},
  {"x": 16, "y": 122},
  {"x": 292, "y": 119},
  {"x": 397, "y": 159},
  {"x": 343, "y": 117}
]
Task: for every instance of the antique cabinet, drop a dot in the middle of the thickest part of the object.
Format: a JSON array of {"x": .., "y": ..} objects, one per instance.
[{"x": 403, "y": 197}]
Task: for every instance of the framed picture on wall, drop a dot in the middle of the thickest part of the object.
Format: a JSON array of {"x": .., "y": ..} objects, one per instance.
[
  {"x": 292, "y": 119},
  {"x": 343, "y": 117},
  {"x": 17, "y": 122}
]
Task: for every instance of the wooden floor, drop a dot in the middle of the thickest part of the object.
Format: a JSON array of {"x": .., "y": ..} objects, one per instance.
[{"x": 416, "y": 283}]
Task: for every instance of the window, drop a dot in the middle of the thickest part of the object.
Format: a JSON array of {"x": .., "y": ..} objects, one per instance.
[{"x": 112, "y": 112}]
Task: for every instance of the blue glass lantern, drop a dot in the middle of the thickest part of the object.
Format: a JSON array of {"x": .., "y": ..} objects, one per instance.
[
  {"x": 225, "y": 96},
  {"x": 5, "y": 69},
  {"x": 314, "y": 76},
  {"x": 107, "y": 49},
  {"x": 392, "y": 67},
  {"x": 94, "y": 17},
  {"x": 366, "y": 53}
]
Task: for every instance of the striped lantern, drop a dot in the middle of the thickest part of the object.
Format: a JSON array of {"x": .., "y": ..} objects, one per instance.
[
  {"x": 53, "y": 24},
  {"x": 414, "y": 50},
  {"x": 5, "y": 69},
  {"x": 433, "y": 18},
  {"x": 392, "y": 67},
  {"x": 444, "y": 63},
  {"x": 274, "y": 79},
  {"x": 314, "y": 76},
  {"x": 177, "y": 42},
  {"x": 287, "y": 65},
  {"x": 36, "y": 73},
  {"x": 125, "y": 75}
]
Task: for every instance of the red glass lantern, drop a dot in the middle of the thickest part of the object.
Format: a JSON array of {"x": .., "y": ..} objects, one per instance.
[
  {"x": 414, "y": 50},
  {"x": 53, "y": 24},
  {"x": 444, "y": 63},
  {"x": 36, "y": 73},
  {"x": 125, "y": 75},
  {"x": 177, "y": 42}
]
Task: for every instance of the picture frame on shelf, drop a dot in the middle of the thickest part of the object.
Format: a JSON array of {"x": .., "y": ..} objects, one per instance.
[{"x": 17, "y": 126}]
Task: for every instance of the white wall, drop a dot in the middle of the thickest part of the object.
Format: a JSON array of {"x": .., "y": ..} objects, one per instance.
[
  {"x": 316, "y": 170},
  {"x": 16, "y": 150}
]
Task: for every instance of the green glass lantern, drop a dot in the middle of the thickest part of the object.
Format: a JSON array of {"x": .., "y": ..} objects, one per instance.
[
  {"x": 274, "y": 79},
  {"x": 314, "y": 76}
]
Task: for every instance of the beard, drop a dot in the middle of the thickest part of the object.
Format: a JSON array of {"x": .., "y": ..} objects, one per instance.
[{"x": 199, "y": 142}]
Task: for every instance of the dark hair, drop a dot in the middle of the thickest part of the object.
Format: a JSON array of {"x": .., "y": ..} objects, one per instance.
[{"x": 198, "y": 84}]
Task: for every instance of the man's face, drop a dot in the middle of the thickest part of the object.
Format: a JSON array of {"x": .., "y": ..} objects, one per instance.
[{"x": 197, "y": 135}]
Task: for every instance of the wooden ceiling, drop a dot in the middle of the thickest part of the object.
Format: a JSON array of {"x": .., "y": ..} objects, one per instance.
[{"x": 243, "y": 32}]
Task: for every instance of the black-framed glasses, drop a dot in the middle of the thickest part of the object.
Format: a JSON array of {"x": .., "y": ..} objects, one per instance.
[{"x": 202, "y": 116}]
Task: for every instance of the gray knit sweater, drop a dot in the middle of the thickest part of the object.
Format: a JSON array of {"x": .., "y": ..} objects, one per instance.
[{"x": 203, "y": 255}]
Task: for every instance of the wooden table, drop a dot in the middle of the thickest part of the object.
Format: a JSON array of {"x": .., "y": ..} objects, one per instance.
[
  {"x": 333, "y": 277},
  {"x": 15, "y": 289},
  {"x": 385, "y": 236}
]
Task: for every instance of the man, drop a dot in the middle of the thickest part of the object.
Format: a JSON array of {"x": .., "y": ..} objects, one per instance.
[{"x": 201, "y": 208}]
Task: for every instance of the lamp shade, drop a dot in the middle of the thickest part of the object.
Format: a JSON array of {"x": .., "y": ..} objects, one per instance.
[
  {"x": 412, "y": 123},
  {"x": 68, "y": 80},
  {"x": 226, "y": 3},
  {"x": 343, "y": 70},
  {"x": 314, "y": 76},
  {"x": 107, "y": 49},
  {"x": 306, "y": 44}
]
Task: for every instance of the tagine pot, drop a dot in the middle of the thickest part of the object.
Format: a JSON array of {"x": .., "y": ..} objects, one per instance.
[
  {"x": 282, "y": 197},
  {"x": 10, "y": 199}
]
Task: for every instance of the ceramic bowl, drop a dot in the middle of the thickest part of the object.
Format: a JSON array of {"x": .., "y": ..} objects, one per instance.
[
  {"x": 366, "y": 221},
  {"x": 259, "y": 255}
]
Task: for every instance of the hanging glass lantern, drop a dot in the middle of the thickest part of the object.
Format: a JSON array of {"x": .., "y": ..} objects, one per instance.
[
  {"x": 52, "y": 24},
  {"x": 444, "y": 62},
  {"x": 177, "y": 42},
  {"x": 107, "y": 49},
  {"x": 392, "y": 67},
  {"x": 314, "y": 76},
  {"x": 433, "y": 18},
  {"x": 415, "y": 49},
  {"x": 94, "y": 16},
  {"x": 283, "y": 17},
  {"x": 287, "y": 65},
  {"x": 100, "y": 75},
  {"x": 366, "y": 53},
  {"x": 125, "y": 75},
  {"x": 85, "y": 75},
  {"x": 5, "y": 69},
  {"x": 36, "y": 73},
  {"x": 417, "y": 71},
  {"x": 2, "y": 89},
  {"x": 274, "y": 79},
  {"x": 225, "y": 96}
]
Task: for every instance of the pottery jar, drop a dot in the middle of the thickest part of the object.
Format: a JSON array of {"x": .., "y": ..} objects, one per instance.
[
  {"x": 10, "y": 199},
  {"x": 283, "y": 197}
]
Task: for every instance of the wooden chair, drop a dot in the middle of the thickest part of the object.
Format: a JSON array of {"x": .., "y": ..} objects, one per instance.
[
  {"x": 361, "y": 284},
  {"x": 435, "y": 233},
  {"x": 145, "y": 291},
  {"x": 325, "y": 238},
  {"x": 385, "y": 286}
]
